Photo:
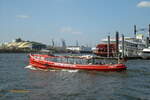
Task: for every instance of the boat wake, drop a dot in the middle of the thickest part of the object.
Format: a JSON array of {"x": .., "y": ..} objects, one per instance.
[
  {"x": 71, "y": 71},
  {"x": 30, "y": 67},
  {"x": 52, "y": 70}
]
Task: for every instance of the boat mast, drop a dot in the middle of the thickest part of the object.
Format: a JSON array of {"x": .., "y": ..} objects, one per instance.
[
  {"x": 149, "y": 32},
  {"x": 108, "y": 47},
  {"x": 117, "y": 46},
  {"x": 117, "y": 43},
  {"x": 135, "y": 31},
  {"x": 122, "y": 46},
  {"x": 77, "y": 44},
  {"x": 53, "y": 44},
  {"x": 148, "y": 37}
]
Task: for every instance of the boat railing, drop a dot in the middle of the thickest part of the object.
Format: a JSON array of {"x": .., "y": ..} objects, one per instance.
[{"x": 82, "y": 60}]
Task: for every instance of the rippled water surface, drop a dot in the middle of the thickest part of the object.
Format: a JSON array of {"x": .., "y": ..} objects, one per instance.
[{"x": 19, "y": 82}]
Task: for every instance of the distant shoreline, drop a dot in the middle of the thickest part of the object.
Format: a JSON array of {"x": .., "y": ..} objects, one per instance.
[
  {"x": 17, "y": 51},
  {"x": 30, "y": 51}
]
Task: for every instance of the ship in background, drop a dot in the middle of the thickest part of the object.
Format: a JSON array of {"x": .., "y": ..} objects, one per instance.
[
  {"x": 132, "y": 46},
  {"x": 128, "y": 46},
  {"x": 79, "y": 49},
  {"x": 145, "y": 54}
]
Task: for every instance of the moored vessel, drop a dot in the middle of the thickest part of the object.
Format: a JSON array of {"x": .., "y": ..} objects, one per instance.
[{"x": 145, "y": 54}]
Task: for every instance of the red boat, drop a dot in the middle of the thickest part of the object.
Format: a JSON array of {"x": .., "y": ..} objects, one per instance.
[{"x": 78, "y": 63}]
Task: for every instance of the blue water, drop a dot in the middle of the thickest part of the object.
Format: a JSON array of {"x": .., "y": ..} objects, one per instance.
[{"x": 20, "y": 83}]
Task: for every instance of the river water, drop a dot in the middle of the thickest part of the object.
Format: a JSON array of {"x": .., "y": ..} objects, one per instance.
[{"x": 18, "y": 81}]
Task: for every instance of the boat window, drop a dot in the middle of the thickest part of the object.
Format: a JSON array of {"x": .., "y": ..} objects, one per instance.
[
  {"x": 54, "y": 59},
  {"x": 71, "y": 60},
  {"x": 51, "y": 59},
  {"x": 84, "y": 61},
  {"x": 48, "y": 59},
  {"x": 81, "y": 61},
  {"x": 59, "y": 60},
  {"x": 78, "y": 61},
  {"x": 96, "y": 61},
  {"x": 64, "y": 60},
  {"x": 89, "y": 61}
]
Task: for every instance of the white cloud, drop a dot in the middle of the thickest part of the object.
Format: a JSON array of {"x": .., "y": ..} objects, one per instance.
[
  {"x": 143, "y": 4},
  {"x": 23, "y": 16},
  {"x": 69, "y": 30},
  {"x": 66, "y": 29}
]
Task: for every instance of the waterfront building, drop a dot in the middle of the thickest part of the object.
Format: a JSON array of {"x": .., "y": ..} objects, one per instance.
[{"x": 20, "y": 44}]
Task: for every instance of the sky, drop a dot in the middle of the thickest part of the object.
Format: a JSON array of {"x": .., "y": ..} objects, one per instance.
[{"x": 85, "y": 21}]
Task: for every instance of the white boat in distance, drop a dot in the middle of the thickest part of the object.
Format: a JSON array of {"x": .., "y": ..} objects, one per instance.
[{"x": 145, "y": 54}]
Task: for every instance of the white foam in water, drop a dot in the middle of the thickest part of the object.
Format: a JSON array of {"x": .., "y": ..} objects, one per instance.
[
  {"x": 65, "y": 70},
  {"x": 71, "y": 71},
  {"x": 30, "y": 67}
]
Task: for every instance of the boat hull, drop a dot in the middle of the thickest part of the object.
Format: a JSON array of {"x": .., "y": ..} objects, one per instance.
[
  {"x": 145, "y": 55},
  {"x": 43, "y": 64}
]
